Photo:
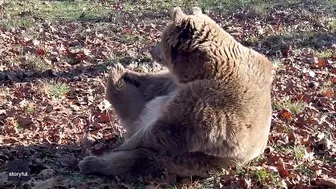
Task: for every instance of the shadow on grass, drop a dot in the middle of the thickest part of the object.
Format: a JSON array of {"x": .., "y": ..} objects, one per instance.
[
  {"x": 51, "y": 161},
  {"x": 61, "y": 162},
  {"x": 75, "y": 74},
  {"x": 318, "y": 40},
  {"x": 270, "y": 46},
  {"x": 247, "y": 9},
  {"x": 313, "y": 39}
]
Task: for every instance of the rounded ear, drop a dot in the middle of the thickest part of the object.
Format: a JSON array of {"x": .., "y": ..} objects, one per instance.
[
  {"x": 177, "y": 15},
  {"x": 196, "y": 10}
]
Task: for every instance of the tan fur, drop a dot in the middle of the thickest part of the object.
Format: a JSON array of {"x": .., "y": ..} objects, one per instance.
[
  {"x": 152, "y": 111},
  {"x": 130, "y": 92},
  {"x": 211, "y": 110}
]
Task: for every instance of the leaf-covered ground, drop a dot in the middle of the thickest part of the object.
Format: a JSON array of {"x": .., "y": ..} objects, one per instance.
[{"x": 54, "y": 62}]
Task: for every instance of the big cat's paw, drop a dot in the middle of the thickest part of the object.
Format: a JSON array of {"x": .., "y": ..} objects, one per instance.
[
  {"x": 91, "y": 165},
  {"x": 117, "y": 72}
]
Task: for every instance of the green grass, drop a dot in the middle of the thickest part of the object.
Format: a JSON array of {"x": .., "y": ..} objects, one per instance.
[
  {"x": 27, "y": 13},
  {"x": 305, "y": 38},
  {"x": 71, "y": 10},
  {"x": 328, "y": 53},
  {"x": 29, "y": 109},
  {"x": 158, "y": 4},
  {"x": 326, "y": 86},
  {"x": 4, "y": 92},
  {"x": 24, "y": 14},
  {"x": 56, "y": 89},
  {"x": 299, "y": 152},
  {"x": 19, "y": 23},
  {"x": 332, "y": 25},
  {"x": 18, "y": 127},
  {"x": 212, "y": 182},
  {"x": 266, "y": 177},
  {"x": 256, "y": 161},
  {"x": 304, "y": 169},
  {"x": 262, "y": 175},
  {"x": 256, "y": 6},
  {"x": 127, "y": 38},
  {"x": 37, "y": 64},
  {"x": 294, "y": 107}
]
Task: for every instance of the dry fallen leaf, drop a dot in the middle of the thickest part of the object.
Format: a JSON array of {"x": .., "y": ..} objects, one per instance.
[
  {"x": 46, "y": 174},
  {"x": 40, "y": 52},
  {"x": 25, "y": 121},
  {"x": 46, "y": 184},
  {"x": 326, "y": 182},
  {"x": 286, "y": 114},
  {"x": 329, "y": 92},
  {"x": 282, "y": 168}
]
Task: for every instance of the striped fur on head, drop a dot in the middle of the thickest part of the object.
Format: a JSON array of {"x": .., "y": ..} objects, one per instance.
[{"x": 195, "y": 44}]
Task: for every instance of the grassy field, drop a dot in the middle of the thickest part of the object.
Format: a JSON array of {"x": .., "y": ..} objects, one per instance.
[{"x": 54, "y": 61}]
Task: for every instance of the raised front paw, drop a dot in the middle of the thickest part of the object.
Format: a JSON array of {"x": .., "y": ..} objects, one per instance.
[
  {"x": 92, "y": 165},
  {"x": 117, "y": 72}
]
